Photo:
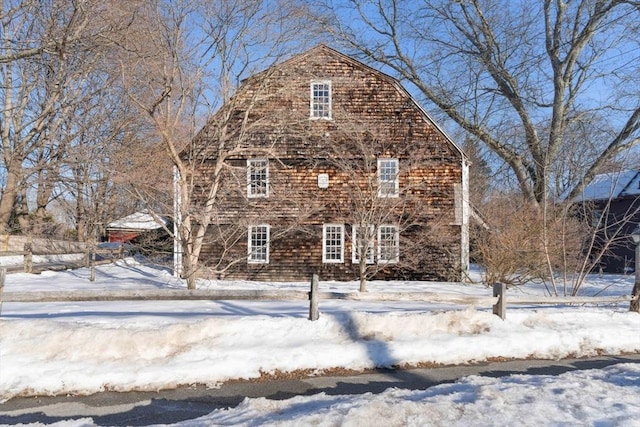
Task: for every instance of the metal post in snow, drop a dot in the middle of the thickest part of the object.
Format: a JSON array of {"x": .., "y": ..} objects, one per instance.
[{"x": 635, "y": 293}]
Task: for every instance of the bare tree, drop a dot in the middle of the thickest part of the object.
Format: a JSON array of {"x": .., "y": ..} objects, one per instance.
[
  {"x": 562, "y": 244},
  {"x": 513, "y": 251},
  {"x": 49, "y": 51},
  {"x": 187, "y": 59},
  {"x": 104, "y": 141},
  {"x": 522, "y": 77},
  {"x": 546, "y": 86}
]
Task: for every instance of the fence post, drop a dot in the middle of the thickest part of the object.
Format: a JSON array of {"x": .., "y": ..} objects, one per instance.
[
  {"x": 500, "y": 307},
  {"x": 92, "y": 264},
  {"x": 28, "y": 258},
  {"x": 3, "y": 276},
  {"x": 313, "y": 298}
]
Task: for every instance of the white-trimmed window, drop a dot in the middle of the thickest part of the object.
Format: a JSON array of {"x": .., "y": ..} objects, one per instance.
[
  {"x": 257, "y": 177},
  {"x": 388, "y": 244},
  {"x": 259, "y": 244},
  {"x": 332, "y": 243},
  {"x": 363, "y": 239},
  {"x": 321, "y": 100},
  {"x": 388, "y": 181}
]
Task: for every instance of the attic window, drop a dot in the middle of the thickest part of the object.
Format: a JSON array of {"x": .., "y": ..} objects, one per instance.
[
  {"x": 388, "y": 182},
  {"x": 320, "y": 106}
]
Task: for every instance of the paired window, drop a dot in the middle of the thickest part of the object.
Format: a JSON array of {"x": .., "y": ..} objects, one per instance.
[
  {"x": 388, "y": 244},
  {"x": 259, "y": 244},
  {"x": 363, "y": 240},
  {"x": 388, "y": 179},
  {"x": 332, "y": 243},
  {"x": 257, "y": 178},
  {"x": 321, "y": 100}
]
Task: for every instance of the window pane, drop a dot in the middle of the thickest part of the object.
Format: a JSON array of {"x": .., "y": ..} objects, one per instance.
[
  {"x": 259, "y": 244},
  {"x": 257, "y": 178},
  {"x": 388, "y": 177},
  {"x": 388, "y": 244},
  {"x": 333, "y": 241},
  {"x": 321, "y": 100},
  {"x": 363, "y": 241}
]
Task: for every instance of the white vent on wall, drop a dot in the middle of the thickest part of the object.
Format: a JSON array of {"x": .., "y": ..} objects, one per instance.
[{"x": 323, "y": 180}]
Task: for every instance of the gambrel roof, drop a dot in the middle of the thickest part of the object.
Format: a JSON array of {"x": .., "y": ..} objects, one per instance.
[{"x": 322, "y": 50}]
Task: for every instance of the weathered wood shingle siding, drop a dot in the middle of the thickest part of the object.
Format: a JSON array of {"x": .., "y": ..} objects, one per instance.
[{"x": 364, "y": 102}]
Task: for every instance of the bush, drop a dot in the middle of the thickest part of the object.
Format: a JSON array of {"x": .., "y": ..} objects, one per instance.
[{"x": 522, "y": 242}]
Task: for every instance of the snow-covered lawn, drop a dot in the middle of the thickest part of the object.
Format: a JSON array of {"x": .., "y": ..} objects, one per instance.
[{"x": 87, "y": 347}]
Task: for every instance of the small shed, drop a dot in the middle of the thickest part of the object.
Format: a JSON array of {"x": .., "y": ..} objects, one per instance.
[{"x": 132, "y": 226}]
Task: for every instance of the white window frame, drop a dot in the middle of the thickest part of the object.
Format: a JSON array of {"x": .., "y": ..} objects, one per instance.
[
  {"x": 332, "y": 228},
  {"x": 252, "y": 257},
  {"x": 388, "y": 187},
  {"x": 325, "y": 102},
  {"x": 382, "y": 245},
  {"x": 252, "y": 184},
  {"x": 355, "y": 246}
]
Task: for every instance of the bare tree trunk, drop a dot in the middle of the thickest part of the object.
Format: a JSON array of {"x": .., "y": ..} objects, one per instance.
[
  {"x": 8, "y": 200},
  {"x": 363, "y": 275}
]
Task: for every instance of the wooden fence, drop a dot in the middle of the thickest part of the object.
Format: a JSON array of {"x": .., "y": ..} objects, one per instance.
[
  {"x": 500, "y": 307},
  {"x": 11, "y": 243},
  {"x": 89, "y": 259},
  {"x": 498, "y": 301}
]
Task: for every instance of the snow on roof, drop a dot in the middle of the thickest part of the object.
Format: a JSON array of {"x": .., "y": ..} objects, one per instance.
[
  {"x": 138, "y": 221},
  {"x": 612, "y": 185}
]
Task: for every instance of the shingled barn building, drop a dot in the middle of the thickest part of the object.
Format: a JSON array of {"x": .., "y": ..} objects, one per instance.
[{"x": 331, "y": 167}]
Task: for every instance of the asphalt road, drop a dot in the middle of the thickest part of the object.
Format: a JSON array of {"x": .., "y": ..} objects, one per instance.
[{"x": 171, "y": 406}]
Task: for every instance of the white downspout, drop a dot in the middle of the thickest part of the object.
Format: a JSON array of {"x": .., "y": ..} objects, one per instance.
[{"x": 464, "y": 226}]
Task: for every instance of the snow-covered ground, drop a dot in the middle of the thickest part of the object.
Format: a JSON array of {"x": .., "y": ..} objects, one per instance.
[
  {"x": 88, "y": 347},
  {"x": 606, "y": 397}
]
